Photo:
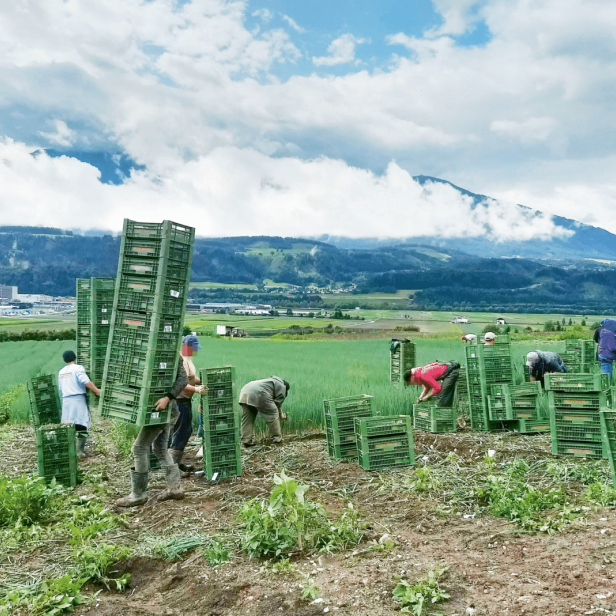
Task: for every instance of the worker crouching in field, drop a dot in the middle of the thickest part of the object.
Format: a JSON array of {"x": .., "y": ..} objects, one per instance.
[
  {"x": 157, "y": 437},
  {"x": 541, "y": 363},
  {"x": 72, "y": 383},
  {"x": 183, "y": 426},
  {"x": 469, "y": 338},
  {"x": 265, "y": 398},
  {"x": 437, "y": 379}
]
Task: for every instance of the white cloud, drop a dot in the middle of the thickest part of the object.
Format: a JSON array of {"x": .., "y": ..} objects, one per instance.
[
  {"x": 263, "y": 14},
  {"x": 533, "y": 129},
  {"x": 276, "y": 196},
  {"x": 293, "y": 24},
  {"x": 341, "y": 51},
  {"x": 63, "y": 136}
]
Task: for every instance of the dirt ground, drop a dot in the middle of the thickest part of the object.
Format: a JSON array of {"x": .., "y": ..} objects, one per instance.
[{"x": 491, "y": 568}]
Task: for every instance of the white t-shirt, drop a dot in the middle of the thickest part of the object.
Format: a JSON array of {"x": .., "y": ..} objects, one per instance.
[
  {"x": 72, "y": 380},
  {"x": 470, "y": 337}
]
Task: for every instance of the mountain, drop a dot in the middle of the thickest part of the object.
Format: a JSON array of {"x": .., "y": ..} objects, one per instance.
[{"x": 585, "y": 242}]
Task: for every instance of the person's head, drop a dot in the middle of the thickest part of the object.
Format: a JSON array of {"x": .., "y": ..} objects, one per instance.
[
  {"x": 190, "y": 345},
  {"x": 287, "y": 385},
  {"x": 69, "y": 356},
  {"x": 464, "y": 339},
  {"x": 489, "y": 338},
  {"x": 532, "y": 358},
  {"x": 408, "y": 376}
]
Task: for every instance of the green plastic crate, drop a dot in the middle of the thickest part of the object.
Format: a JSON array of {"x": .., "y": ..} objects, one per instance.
[
  {"x": 384, "y": 453},
  {"x": 368, "y": 427},
  {"x": 570, "y": 382},
  {"x": 342, "y": 451},
  {"x": 526, "y": 389},
  {"x": 607, "y": 418},
  {"x": 339, "y": 418},
  {"x": 45, "y": 404},
  {"x": 558, "y": 399},
  {"x": 533, "y": 426},
  {"x": 57, "y": 454},
  {"x": 224, "y": 470},
  {"x": 498, "y": 409},
  {"x": 220, "y": 413},
  {"x": 402, "y": 359},
  {"x": 592, "y": 451},
  {"x": 431, "y": 418}
]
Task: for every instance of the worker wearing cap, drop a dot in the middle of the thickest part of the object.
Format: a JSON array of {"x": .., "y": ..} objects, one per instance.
[
  {"x": 469, "y": 338},
  {"x": 489, "y": 339},
  {"x": 265, "y": 398},
  {"x": 541, "y": 363},
  {"x": 438, "y": 379},
  {"x": 183, "y": 426},
  {"x": 72, "y": 383}
]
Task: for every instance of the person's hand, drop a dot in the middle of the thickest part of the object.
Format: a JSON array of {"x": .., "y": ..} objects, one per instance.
[
  {"x": 201, "y": 389},
  {"x": 419, "y": 400},
  {"x": 97, "y": 391},
  {"x": 161, "y": 405},
  {"x": 283, "y": 415}
]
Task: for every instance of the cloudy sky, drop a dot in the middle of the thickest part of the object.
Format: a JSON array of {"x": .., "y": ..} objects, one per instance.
[{"x": 280, "y": 117}]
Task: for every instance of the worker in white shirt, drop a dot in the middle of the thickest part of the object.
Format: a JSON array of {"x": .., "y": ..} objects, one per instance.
[
  {"x": 72, "y": 383},
  {"x": 469, "y": 338}
]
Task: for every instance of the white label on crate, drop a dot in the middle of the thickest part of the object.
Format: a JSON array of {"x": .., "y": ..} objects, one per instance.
[
  {"x": 162, "y": 365},
  {"x": 215, "y": 476},
  {"x": 103, "y": 309},
  {"x": 221, "y": 393},
  {"x": 155, "y": 415},
  {"x": 104, "y": 322},
  {"x": 174, "y": 293},
  {"x": 168, "y": 328}
]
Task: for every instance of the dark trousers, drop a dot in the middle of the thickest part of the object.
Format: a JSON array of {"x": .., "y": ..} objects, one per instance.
[
  {"x": 448, "y": 381},
  {"x": 183, "y": 426}
]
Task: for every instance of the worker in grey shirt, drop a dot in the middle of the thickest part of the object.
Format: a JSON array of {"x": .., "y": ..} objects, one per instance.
[
  {"x": 263, "y": 397},
  {"x": 541, "y": 363}
]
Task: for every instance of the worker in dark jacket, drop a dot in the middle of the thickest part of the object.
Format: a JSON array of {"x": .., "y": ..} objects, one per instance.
[
  {"x": 607, "y": 345},
  {"x": 438, "y": 380},
  {"x": 541, "y": 363},
  {"x": 157, "y": 437}
]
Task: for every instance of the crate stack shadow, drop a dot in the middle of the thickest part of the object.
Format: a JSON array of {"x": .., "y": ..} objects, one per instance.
[
  {"x": 221, "y": 424},
  {"x": 147, "y": 318}
]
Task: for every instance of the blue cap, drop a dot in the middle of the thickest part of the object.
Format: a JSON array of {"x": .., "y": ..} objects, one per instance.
[{"x": 191, "y": 340}]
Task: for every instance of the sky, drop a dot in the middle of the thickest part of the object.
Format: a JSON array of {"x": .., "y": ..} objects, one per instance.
[{"x": 272, "y": 117}]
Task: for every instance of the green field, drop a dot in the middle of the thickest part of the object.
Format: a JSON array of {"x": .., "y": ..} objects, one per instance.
[
  {"x": 42, "y": 322},
  {"x": 397, "y": 300},
  {"x": 317, "y": 370}
]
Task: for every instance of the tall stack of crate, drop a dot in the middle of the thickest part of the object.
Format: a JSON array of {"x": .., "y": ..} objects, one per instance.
[
  {"x": 57, "y": 454},
  {"x": 402, "y": 358},
  {"x": 485, "y": 366},
  {"x": 581, "y": 355},
  {"x": 102, "y": 291},
  {"x": 574, "y": 403},
  {"x": 84, "y": 323},
  {"x": 518, "y": 405},
  {"x": 431, "y": 418},
  {"x": 45, "y": 406},
  {"x": 607, "y": 418},
  {"x": 339, "y": 415},
  {"x": 147, "y": 318},
  {"x": 384, "y": 442},
  {"x": 221, "y": 424}
]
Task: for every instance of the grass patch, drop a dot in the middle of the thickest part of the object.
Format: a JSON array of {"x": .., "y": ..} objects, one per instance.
[{"x": 417, "y": 597}]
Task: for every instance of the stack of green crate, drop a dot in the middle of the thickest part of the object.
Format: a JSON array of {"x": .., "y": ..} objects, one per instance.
[
  {"x": 431, "y": 418},
  {"x": 519, "y": 406},
  {"x": 146, "y": 324},
  {"x": 221, "y": 424},
  {"x": 84, "y": 323},
  {"x": 607, "y": 418},
  {"x": 402, "y": 358},
  {"x": 339, "y": 415},
  {"x": 57, "y": 454},
  {"x": 384, "y": 442},
  {"x": 574, "y": 403},
  {"x": 45, "y": 406},
  {"x": 572, "y": 360},
  {"x": 461, "y": 396},
  {"x": 581, "y": 355},
  {"x": 102, "y": 290}
]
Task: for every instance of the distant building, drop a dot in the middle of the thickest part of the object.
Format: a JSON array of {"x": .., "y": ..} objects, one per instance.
[
  {"x": 7, "y": 293},
  {"x": 460, "y": 320},
  {"x": 500, "y": 321}
]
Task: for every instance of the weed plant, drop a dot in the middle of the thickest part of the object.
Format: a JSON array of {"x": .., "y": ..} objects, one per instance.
[
  {"x": 51, "y": 597},
  {"x": 417, "y": 597},
  {"x": 290, "y": 523},
  {"x": 94, "y": 564},
  {"x": 25, "y": 501}
]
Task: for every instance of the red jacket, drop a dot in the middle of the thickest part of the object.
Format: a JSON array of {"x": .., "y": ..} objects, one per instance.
[{"x": 428, "y": 375}]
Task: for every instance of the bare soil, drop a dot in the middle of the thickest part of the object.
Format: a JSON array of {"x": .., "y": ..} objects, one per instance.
[{"x": 492, "y": 569}]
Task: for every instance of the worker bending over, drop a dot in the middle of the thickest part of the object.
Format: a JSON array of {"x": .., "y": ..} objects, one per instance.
[
  {"x": 72, "y": 383},
  {"x": 437, "y": 379},
  {"x": 607, "y": 345},
  {"x": 263, "y": 397},
  {"x": 541, "y": 363},
  {"x": 469, "y": 338}
]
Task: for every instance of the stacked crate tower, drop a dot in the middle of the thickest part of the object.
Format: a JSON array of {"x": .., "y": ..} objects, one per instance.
[
  {"x": 385, "y": 442},
  {"x": 581, "y": 355},
  {"x": 402, "y": 358},
  {"x": 102, "y": 290},
  {"x": 45, "y": 406},
  {"x": 487, "y": 366},
  {"x": 146, "y": 324},
  {"x": 574, "y": 403},
  {"x": 339, "y": 415},
  {"x": 221, "y": 424},
  {"x": 84, "y": 323},
  {"x": 519, "y": 406}
]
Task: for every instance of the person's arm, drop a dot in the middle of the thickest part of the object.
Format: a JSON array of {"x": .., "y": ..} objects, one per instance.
[
  {"x": 176, "y": 389},
  {"x": 90, "y": 385},
  {"x": 199, "y": 389},
  {"x": 84, "y": 379}
]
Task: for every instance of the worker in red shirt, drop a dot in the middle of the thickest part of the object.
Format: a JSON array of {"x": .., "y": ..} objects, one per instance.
[{"x": 437, "y": 379}]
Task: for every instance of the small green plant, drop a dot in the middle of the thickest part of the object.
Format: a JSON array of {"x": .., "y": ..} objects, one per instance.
[
  {"x": 600, "y": 494},
  {"x": 416, "y": 597},
  {"x": 94, "y": 564},
  {"x": 172, "y": 548},
  {"x": 49, "y": 598},
  {"x": 283, "y": 566},
  {"x": 25, "y": 501},
  {"x": 309, "y": 590},
  {"x": 216, "y": 552},
  {"x": 289, "y": 522},
  {"x": 88, "y": 519}
]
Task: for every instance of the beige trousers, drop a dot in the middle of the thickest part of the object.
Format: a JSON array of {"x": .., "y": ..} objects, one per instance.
[{"x": 271, "y": 418}]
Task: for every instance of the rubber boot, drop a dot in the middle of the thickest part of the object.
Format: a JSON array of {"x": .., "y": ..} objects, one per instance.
[
  {"x": 81, "y": 446},
  {"x": 176, "y": 456},
  {"x": 138, "y": 495},
  {"x": 174, "y": 487}
]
